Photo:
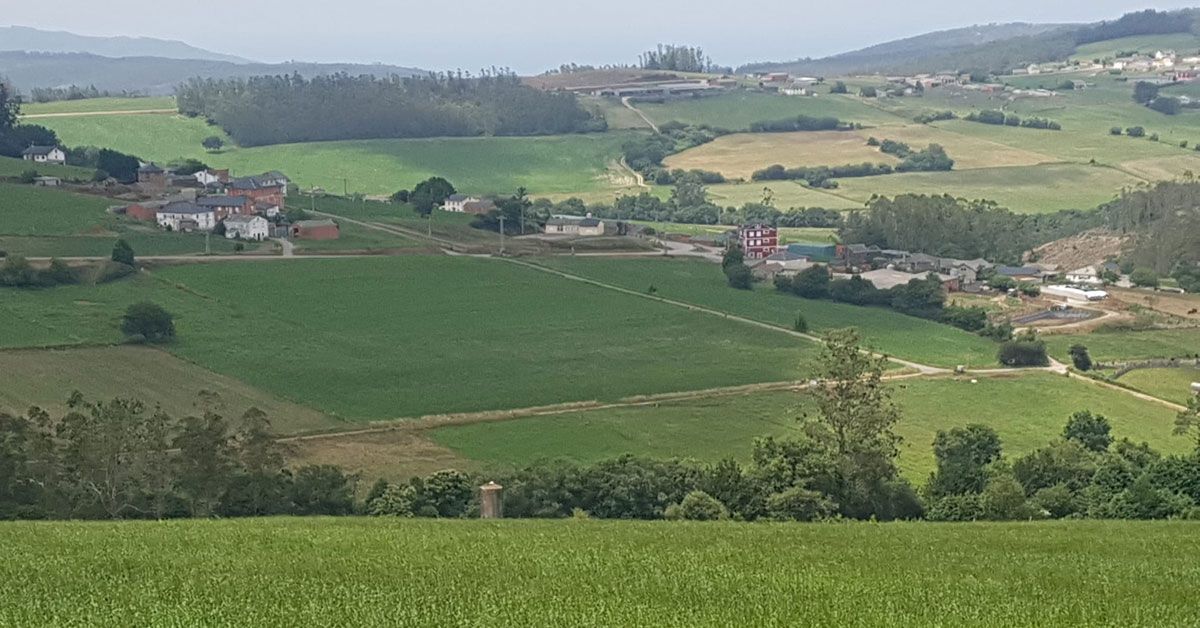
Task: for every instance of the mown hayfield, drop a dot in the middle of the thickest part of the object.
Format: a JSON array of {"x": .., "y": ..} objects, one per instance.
[
  {"x": 1110, "y": 346},
  {"x": 1172, "y": 384},
  {"x": 741, "y": 154},
  {"x": 701, "y": 283},
  {"x": 46, "y": 377},
  {"x": 736, "y": 111},
  {"x": 1026, "y": 410},
  {"x": 784, "y": 195},
  {"x": 93, "y": 105},
  {"x": 379, "y": 338},
  {"x": 1023, "y": 189},
  {"x": 476, "y": 165},
  {"x": 371, "y": 572}
]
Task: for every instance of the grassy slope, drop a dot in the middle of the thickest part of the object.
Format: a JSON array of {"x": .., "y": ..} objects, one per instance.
[
  {"x": 712, "y": 429},
  {"x": 46, "y": 377},
  {"x": 1122, "y": 346},
  {"x": 1182, "y": 43},
  {"x": 92, "y": 105},
  {"x": 45, "y": 222},
  {"x": 15, "y": 167},
  {"x": 544, "y": 165},
  {"x": 405, "y": 336},
  {"x": 373, "y": 572},
  {"x": 738, "y": 110},
  {"x": 701, "y": 283},
  {"x": 1170, "y": 384}
]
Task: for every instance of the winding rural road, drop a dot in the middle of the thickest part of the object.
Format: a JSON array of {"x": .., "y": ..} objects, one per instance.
[{"x": 629, "y": 105}]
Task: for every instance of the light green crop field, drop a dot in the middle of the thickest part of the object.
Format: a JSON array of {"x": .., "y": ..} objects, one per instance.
[
  {"x": 784, "y": 195},
  {"x": 387, "y": 572},
  {"x": 725, "y": 427},
  {"x": 1170, "y": 384},
  {"x": 1023, "y": 189},
  {"x": 476, "y": 165},
  {"x": 94, "y": 105},
  {"x": 380, "y": 338},
  {"x": 701, "y": 283},
  {"x": 738, "y": 110},
  {"x": 1130, "y": 345},
  {"x": 46, "y": 377}
]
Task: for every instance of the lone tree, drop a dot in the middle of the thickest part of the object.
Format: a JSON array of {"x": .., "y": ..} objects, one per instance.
[
  {"x": 1090, "y": 430},
  {"x": 122, "y": 253},
  {"x": 1080, "y": 357},
  {"x": 429, "y": 194},
  {"x": 213, "y": 142},
  {"x": 148, "y": 322}
]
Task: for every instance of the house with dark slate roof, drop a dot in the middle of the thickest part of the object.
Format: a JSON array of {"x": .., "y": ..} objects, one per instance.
[{"x": 44, "y": 155}]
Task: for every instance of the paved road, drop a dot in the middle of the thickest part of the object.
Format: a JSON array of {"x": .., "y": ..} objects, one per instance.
[{"x": 287, "y": 246}]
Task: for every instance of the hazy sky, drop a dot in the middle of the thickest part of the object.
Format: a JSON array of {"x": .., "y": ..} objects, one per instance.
[{"x": 534, "y": 35}]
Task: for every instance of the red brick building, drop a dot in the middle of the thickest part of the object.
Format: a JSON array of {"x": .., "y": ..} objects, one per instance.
[
  {"x": 258, "y": 190},
  {"x": 758, "y": 241},
  {"x": 315, "y": 230}
]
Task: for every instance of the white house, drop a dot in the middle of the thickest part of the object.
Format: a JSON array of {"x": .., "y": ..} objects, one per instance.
[
  {"x": 45, "y": 155},
  {"x": 186, "y": 216},
  {"x": 573, "y": 226},
  {"x": 1088, "y": 275},
  {"x": 47, "y": 182},
  {"x": 211, "y": 177},
  {"x": 458, "y": 202},
  {"x": 246, "y": 227}
]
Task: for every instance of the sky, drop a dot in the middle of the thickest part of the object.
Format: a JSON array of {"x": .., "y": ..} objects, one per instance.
[{"x": 531, "y": 36}]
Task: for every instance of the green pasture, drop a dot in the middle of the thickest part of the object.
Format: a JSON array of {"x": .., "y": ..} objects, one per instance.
[
  {"x": 701, "y": 283},
  {"x": 387, "y": 572},
  {"x": 736, "y": 111},
  {"x": 380, "y": 338},
  {"x": 1171, "y": 384},
  {"x": 476, "y": 165},
  {"x": 94, "y": 105},
  {"x": 1120, "y": 346},
  {"x": 1026, "y": 410}
]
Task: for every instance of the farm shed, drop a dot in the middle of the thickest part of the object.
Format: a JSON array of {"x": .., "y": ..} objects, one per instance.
[{"x": 315, "y": 230}]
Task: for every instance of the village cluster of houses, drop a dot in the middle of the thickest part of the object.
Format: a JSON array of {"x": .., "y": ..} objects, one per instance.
[
  {"x": 888, "y": 268},
  {"x": 248, "y": 208}
]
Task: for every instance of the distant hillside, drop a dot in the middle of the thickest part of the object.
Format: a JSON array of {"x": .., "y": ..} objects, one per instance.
[
  {"x": 995, "y": 47},
  {"x": 34, "y": 40},
  {"x": 154, "y": 75}
]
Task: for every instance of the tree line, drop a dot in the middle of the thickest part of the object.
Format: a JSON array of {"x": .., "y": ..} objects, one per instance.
[
  {"x": 75, "y": 92},
  {"x": 285, "y": 109},
  {"x": 123, "y": 460},
  {"x": 999, "y": 118},
  {"x": 678, "y": 59},
  {"x": 930, "y": 159}
]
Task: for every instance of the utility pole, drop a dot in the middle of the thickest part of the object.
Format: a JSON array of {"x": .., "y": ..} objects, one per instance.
[
  {"x": 429, "y": 224},
  {"x": 502, "y": 234},
  {"x": 207, "y": 247}
]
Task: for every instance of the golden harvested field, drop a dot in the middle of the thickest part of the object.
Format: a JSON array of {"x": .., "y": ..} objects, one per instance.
[{"x": 741, "y": 154}]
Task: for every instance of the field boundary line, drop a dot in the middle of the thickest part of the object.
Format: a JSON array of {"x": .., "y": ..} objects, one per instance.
[
  {"x": 1129, "y": 391},
  {"x": 435, "y": 421},
  {"x": 924, "y": 368}
]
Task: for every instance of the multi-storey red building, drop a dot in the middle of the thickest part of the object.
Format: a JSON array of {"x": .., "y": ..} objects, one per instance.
[{"x": 758, "y": 241}]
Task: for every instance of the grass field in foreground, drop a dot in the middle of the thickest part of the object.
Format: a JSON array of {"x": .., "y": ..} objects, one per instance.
[
  {"x": 45, "y": 378},
  {"x": 476, "y": 165},
  {"x": 383, "y": 572},
  {"x": 1027, "y": 411},
  {"x": 380, "y": 338},
  {"x": 701, "y": 283},
  {"x": 15, "y": 167},
  {"x": 1170, "y": 384}
]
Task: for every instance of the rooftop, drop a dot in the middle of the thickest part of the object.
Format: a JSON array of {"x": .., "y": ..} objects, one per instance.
[{"x": 39, "y": 150}]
